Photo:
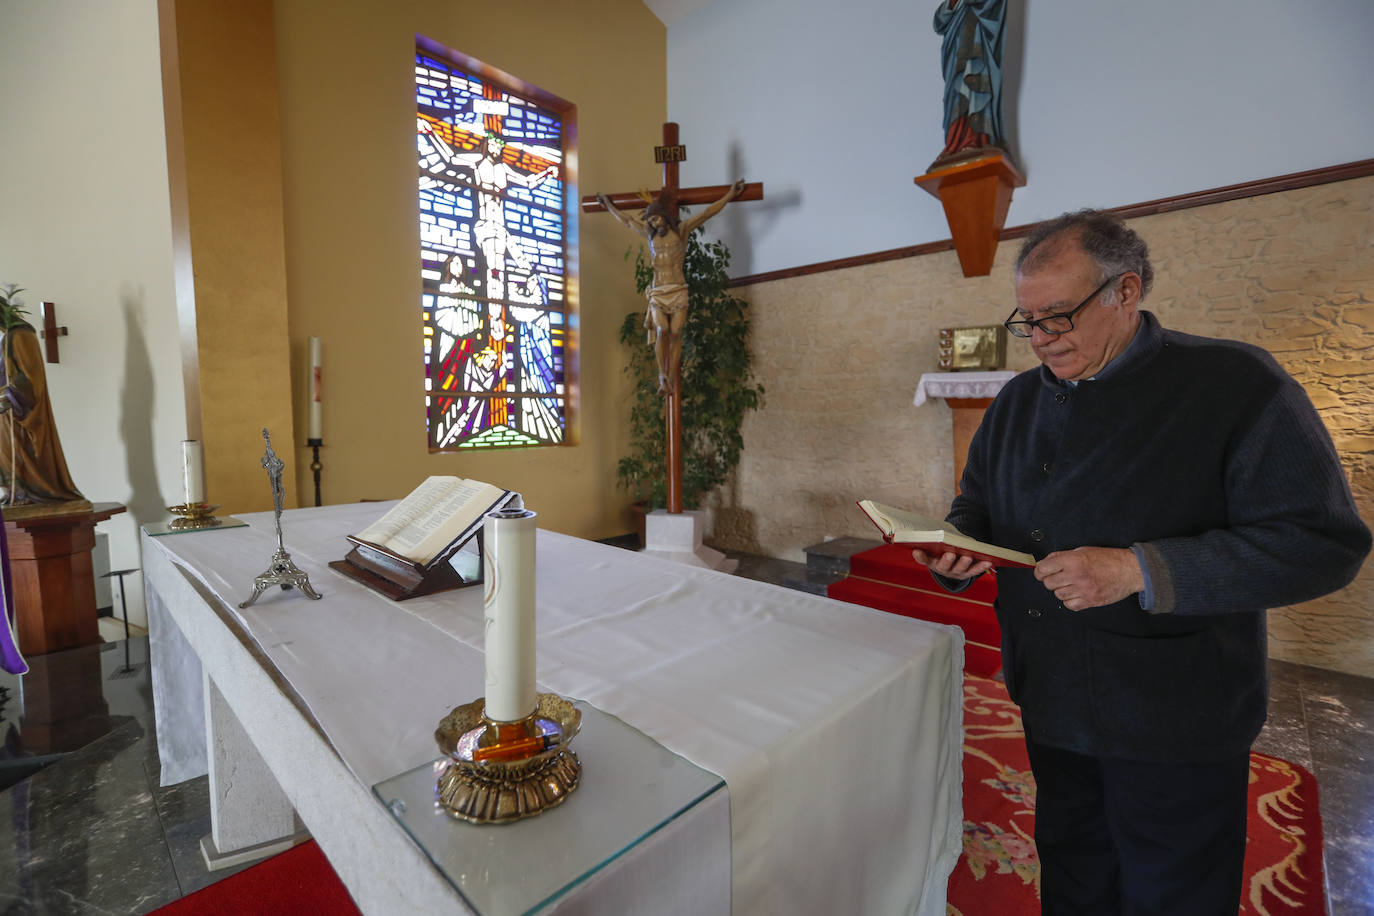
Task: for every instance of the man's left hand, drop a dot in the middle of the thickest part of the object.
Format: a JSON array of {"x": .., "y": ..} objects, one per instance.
[{"x": 1090, "y": 576}]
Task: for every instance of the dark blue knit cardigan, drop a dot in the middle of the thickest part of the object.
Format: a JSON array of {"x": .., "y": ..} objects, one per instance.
[{"x": 1210, "y": 457}]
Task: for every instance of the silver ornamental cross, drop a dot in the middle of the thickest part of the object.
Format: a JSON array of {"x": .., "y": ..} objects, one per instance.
[{"x": 282, "y": 571}]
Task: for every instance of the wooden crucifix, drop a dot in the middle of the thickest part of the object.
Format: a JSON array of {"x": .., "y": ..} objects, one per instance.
[
  {"x": 661, "y": 225},
  {"x": 51, "y": 332}
]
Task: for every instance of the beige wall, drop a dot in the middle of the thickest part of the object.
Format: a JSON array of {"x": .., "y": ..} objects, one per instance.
[
  {"x": 348, "y": 158},
  {"x": 840, "y": 354},
  {"x": 84, "y": 223}
]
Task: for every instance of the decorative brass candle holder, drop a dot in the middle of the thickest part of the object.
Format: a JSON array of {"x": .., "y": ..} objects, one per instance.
[
  {"x": 190, "y": 516},
  {"x": 495, "y": 790}
]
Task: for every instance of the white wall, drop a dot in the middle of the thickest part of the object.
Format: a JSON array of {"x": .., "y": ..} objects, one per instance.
[
  {"x": 836, "y": 107},
  {"x": 85, "y": 223}
]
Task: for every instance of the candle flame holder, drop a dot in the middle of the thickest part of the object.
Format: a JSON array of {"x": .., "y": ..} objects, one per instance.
[
  {"x": 497, "y": 791},
  {"x": 190, "y": 516}
]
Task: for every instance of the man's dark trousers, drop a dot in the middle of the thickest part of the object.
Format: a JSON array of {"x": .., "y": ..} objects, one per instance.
[{"x": 1134, "y": 838}]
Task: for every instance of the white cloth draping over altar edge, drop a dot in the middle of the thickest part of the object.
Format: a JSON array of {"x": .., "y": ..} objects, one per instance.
[
  {"x": 960, "y": 385},
  {"x": 835, "y": 727}
]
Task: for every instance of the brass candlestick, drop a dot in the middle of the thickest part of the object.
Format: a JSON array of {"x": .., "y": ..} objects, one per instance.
[
  {"x": 190, "y": 516},
  {"x": 494, "y": 790}
]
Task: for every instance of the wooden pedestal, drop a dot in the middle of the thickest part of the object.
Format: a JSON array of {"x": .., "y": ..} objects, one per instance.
[
  {"x": 967, "y": 414},
  {"x": 54, "y": 583},
  {"x": 975, "y": 196}
]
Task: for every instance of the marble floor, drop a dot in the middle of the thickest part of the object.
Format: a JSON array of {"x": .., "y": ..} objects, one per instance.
[{"x": 89, "y": 831}]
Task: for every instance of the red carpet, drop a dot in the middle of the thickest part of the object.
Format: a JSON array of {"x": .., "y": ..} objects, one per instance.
[
  {"x": 298, "y": 881},
  {"x": 999, "y": 873},
  {"x": 887, "y": 578}
]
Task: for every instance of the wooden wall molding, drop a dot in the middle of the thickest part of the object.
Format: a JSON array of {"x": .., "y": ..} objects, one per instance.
[{"x": 1293, "y": 181}]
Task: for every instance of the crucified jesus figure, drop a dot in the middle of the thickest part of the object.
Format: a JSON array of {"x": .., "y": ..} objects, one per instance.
[{"x": 662, "y": 226}]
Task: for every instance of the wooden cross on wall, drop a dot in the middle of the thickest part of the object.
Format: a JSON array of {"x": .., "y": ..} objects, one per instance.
[
  {"x": 50, "y": 332},
  {"x": 670, "y": 154}
]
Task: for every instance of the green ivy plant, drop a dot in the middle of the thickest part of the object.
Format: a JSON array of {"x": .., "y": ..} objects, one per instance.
[{"x": 717, "y": 388}]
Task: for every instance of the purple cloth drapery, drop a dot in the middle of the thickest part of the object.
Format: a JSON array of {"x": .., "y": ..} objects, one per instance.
[{"x": 10, "y": 658}]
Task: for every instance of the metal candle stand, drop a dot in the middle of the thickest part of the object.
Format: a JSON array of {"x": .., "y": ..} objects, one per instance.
[
  {"x": 315, "y": 466},
  {"x": 281, "y": 571}
]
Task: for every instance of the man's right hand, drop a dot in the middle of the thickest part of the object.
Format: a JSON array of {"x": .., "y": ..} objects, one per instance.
[{"x": 952, "y": 565}]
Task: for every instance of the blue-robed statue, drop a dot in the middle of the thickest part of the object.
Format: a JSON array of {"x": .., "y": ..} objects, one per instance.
[{"x": 971, "y": 57}]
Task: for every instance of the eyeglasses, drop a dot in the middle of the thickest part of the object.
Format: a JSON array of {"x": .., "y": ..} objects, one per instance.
[{"x": 1053, "y": 324}]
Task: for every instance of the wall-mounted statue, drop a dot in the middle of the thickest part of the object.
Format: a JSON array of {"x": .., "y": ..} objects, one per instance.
[
  {"x": 33, "y": 470},
  {"x": 971, "y": 58}
]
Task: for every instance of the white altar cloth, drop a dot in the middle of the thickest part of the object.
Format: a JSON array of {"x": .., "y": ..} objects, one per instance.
[
  {"x": 961, "y": 385},
  {"x": 835, "y": 727}
]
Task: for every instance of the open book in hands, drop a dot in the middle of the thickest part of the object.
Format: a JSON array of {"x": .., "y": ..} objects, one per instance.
[
  {"x": 936, "y": 537},
  {"x": 438, "y": 513}
]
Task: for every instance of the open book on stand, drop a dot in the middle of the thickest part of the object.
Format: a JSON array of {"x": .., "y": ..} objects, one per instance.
[
  {"x": 936, "y": 537},
  {"x": 425, "y": 543}
]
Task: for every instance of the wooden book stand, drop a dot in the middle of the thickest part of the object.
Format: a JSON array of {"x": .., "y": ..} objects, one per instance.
[{"x": 398, "y": 578}]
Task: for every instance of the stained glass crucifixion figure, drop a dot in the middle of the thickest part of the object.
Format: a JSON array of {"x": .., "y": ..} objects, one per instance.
[
  {"x": 668, "y": 293},
  {"x": 493, "y": 252}
]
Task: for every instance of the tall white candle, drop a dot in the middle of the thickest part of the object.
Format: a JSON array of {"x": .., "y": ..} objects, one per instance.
[
  {"x": 508, "y": 548},
  {"x": 316, "y": 368},
  {"x": 193, "y": 479}
]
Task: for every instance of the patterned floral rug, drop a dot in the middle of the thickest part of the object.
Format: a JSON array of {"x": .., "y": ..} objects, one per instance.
[{"x": 998, "y": 872}]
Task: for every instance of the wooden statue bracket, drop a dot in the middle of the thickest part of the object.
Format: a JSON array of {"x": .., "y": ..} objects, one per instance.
[{"x": 976, "y": 195}]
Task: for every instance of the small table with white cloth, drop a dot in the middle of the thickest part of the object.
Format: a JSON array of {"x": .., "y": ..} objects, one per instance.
[{"x": 836, "y": 729}]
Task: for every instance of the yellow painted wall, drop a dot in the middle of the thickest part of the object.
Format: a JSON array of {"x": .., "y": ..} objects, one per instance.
[
  {"x": 224, "y": 165},
  {"x": 348, "y": 157}
]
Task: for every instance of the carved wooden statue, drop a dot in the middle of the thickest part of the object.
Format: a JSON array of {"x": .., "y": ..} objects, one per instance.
[
  {"x": 971, "y": 59},
  {"x": 662, "y": 226},
  {"x": 33, "y": 470}
]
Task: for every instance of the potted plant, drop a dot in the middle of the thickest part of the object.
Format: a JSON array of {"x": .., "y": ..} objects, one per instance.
[{"x": 717, "y": 387}]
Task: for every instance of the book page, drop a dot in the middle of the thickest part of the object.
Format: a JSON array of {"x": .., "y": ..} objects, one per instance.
[
  {"x": 449, "y": 516},
  {"x": 422, "y": 499},
  {"x": 893, "y": 520},
  {"x": 932, "y": 535}
]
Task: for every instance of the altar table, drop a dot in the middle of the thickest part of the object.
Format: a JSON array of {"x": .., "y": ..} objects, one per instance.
[{"x": 836, "y": 728}]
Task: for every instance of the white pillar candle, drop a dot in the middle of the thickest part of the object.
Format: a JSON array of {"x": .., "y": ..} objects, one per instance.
[
  {"x": 193, "y": 480},
  {"x": 508, "y": 564},
  {"x": 316, "y": 367}
]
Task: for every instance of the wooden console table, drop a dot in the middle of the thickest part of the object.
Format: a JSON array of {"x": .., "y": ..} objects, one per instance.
[{"x": 54, "y": 582}]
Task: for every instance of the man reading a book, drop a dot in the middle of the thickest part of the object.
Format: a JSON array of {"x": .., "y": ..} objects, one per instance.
[{"x": 1171, "y": 488}]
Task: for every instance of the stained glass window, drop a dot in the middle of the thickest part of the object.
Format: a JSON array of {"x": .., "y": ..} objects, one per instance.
[{"x": 493, "y": 259}]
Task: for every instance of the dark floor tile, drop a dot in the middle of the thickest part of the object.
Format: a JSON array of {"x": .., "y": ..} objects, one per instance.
[
  {"x": 183, "y": 802},
  {"x": 1339, "y": 726},
  {"x": 767, "y": 569},
  {"x": 833, "y": 555},
  {"x": 1320, "y": 680},
  {"x": 84, "y": 833},
  {"x": 1347, "y": 800},
  {"x": 1288, "y": 742},
  {"x": 1348, "y": 874}
]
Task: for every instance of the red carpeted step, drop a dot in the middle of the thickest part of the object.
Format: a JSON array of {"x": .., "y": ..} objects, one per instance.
[
  {"x": 982, "y": 635},
  {"x": 887, "y": 578},
  {"x": 894, "y": 563},
  {"x": 298, "y": 881}
]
